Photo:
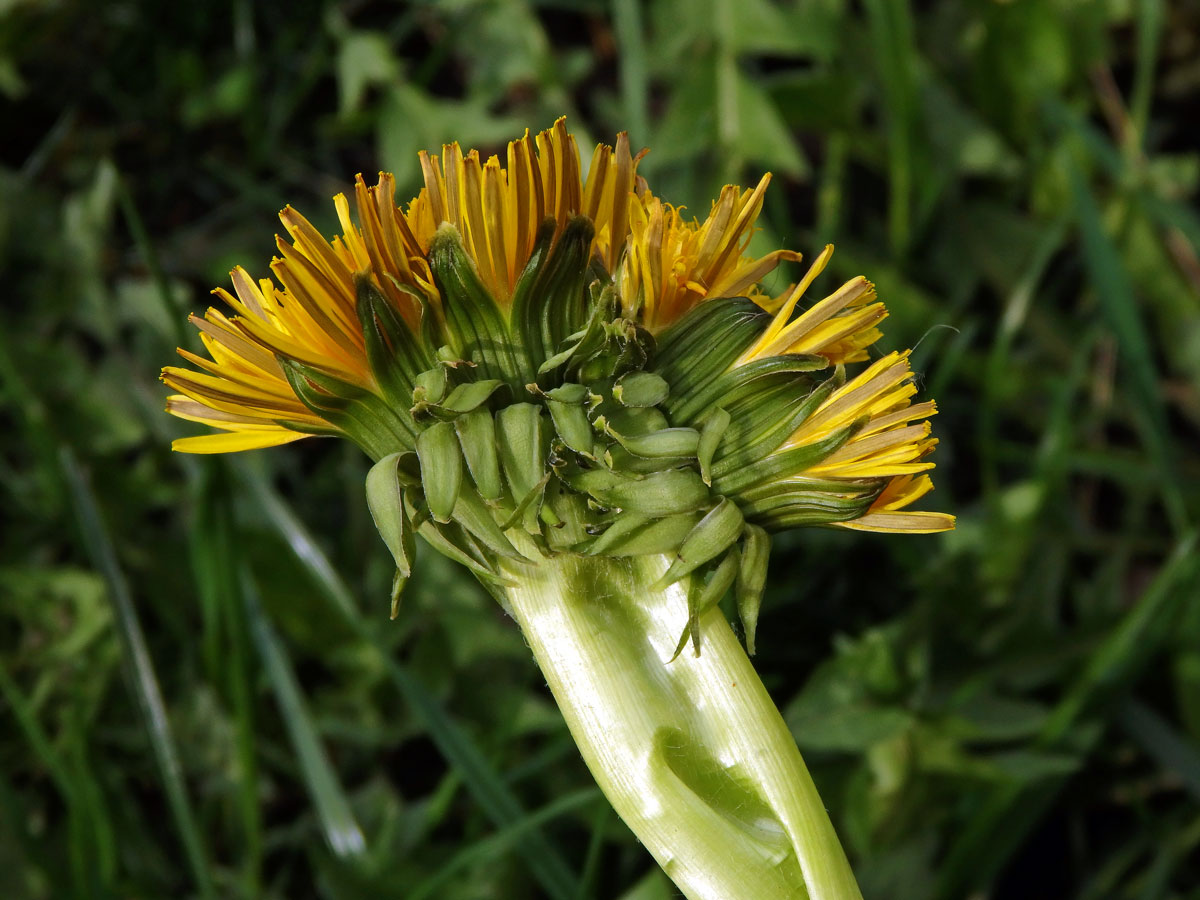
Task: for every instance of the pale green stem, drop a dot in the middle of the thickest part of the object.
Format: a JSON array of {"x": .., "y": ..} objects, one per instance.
[{"x": 692, "y": 754}]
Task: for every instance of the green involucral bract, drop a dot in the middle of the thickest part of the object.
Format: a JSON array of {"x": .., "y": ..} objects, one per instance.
[{"x": 558, "y": 415}]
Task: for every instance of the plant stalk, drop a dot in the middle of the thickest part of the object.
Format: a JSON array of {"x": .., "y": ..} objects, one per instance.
[{"x": 692, "y": 753}]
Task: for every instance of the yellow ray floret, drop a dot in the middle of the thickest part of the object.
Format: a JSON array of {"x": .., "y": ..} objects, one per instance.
[
  {"x": 242, "y": 432},
  {"x": 498, "y": 209},
  {"x": 888, "y": 513},
  {"x": 841, "y": 327},
  {"x": 307, "y": 313},
  {"x": 892, "y": 443},
  {"x": 671, "y": 263},
  {"x": 242, "y": 389}
]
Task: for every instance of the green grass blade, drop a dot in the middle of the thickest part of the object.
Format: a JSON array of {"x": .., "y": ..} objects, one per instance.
[
  {"x": 226, "y": 643},
  {"x": 337, "y": 820},
  {"x": 301, "y": 542},
  {"x": 1115, "y": 292},
  {"x": 999, "y": 358},
  {"x": 140, "y": 670},
  {"x": 1162, "y": 743},
  {"x": 35, "y": 421},
  {"x": 1149, "y": 31},
  {"x": 141, "y": 239},
  {"x": 1130, "y": 646},
  {"x": 1006, "y": 816},
  {"x": 91, "y": 850},
  {"x": 627, "y": 22},
  {"x": 831, "y": 190},
  {"x": 890, "y": 26},
  {"x": 652, "y": 886},
  {"x": 94, "y": 814},
  {"x": 601, "y": 823},
  {"x": 488, "y": 789},
  {"x": 38, "y": 741},
  {"x": 502, "y": 840},
  {"x": 1167, "y": 212}
]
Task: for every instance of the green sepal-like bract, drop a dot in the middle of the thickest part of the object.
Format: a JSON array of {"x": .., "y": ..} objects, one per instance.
[
  {"x": 761, "y": 425},
  {"x": 523, "y": 445},
  {"x": 475, "y": 326},
  {"x": 706, "y": 341},
  {"x": 808, "y": 501},
  {"x": 461, "y": 399},
  {"x": 553, "y": 304},
  {"x": 657, "y": 494},
  {"x": 429, "y": 389},
  {"x": 477, "y": 437},
  {"x": 784, "y": 463},
  {"x": 751, "y": 580},
  {"x": 712, "y": 432},
  {"x": 471, "y": 512},
  {"x": 666, "y": 443},
  {"x": 451, "y": 541},
  {"x": 636, "y": 535},
  {"x": 363, "y": 416},
  {"x": 703, "y": 595},
  {"x": 740, "y": 383},
  {"x": 385, "y": 499},
  {"x": 441, "y": 469},
  {"x": 712, "y": 536},
  {"x": 394, "y": 353},
  {"x": 641, "y": 389},
  {"x": 568, "y": 405}
]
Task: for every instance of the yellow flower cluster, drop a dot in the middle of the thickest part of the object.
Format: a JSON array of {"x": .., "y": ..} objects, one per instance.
[{"x": 660, "y": 264}]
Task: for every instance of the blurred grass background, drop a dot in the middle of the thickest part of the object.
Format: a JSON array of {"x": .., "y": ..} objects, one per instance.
[{"x": 200, "y": 692}]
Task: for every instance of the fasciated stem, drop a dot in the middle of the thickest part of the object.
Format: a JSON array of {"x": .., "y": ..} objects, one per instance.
[{"x": 692, "y": 753}]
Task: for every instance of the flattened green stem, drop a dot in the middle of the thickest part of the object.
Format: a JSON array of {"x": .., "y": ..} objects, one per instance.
[{"x": 692, "y": 754}]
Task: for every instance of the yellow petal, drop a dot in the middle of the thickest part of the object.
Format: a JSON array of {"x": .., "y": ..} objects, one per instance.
[
  {"x": 902, "y": 522},
  {"x": 232, "y": 442}
]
